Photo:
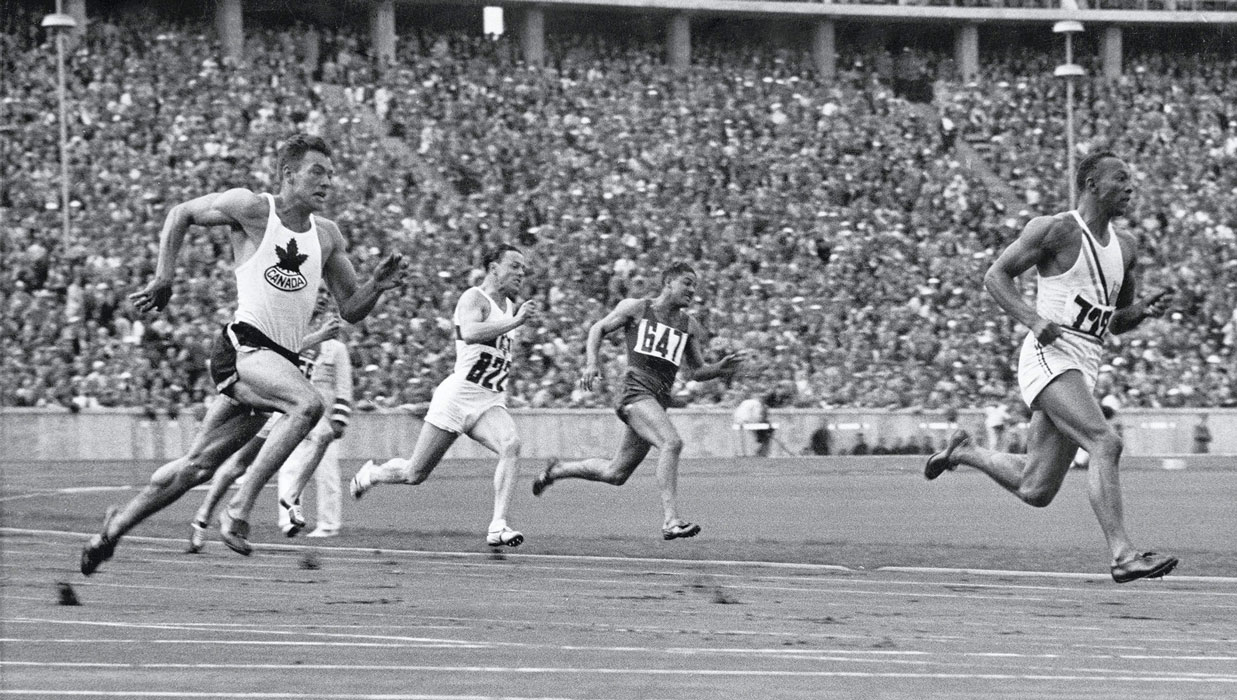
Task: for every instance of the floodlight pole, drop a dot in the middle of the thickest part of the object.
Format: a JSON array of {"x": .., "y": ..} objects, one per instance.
[
  {"x": 61, "y": 23},
  {"x": 1069, "y": 70}
]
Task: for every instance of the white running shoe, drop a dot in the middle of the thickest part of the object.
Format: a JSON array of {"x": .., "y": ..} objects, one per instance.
[
  {"x": 506, "y": 537},
  {"x": 323, "y": 532},
  {"x": 197, "y": 536},
  {"x": 360, "y": 482},
  {"x": 291, "y": 518}
]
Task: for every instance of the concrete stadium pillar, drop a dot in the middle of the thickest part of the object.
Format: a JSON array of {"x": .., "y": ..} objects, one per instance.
[
  {"x": 532, "y": 35},
  {"x": 77, "y": 10},
  {"x": 679, "y": 41},
  {"x": 312, "y": 41},
  {"x": 825, "y": 49},
  {"x": 966, "y": 51},
  {"x": 230, "y": 23},
  {"x": 1113, "y": 57},
  {"x": 382, "y": 30}
]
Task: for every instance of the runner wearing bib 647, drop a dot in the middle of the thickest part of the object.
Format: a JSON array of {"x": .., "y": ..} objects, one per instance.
[
  {"x": 472, "y": 401},
  {"x": 662, "y": 341}
]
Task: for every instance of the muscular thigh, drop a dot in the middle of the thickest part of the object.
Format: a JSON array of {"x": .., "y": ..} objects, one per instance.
[
  {"x": 1049, "y": 453},
  {"x": 494, "y": 428},
  {"x": 269, "y": 382},
  {"x": 632, "y": 450},
  {"x": 650, "y": 422},
  {"x": 1071, "y": 406},
  {"x": 226, "y": 428}
]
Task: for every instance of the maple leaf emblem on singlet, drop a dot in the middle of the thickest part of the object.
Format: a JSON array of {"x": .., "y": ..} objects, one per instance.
[
  {"x": 286, "y": 274},
  {"x": 290, "y": 258}
]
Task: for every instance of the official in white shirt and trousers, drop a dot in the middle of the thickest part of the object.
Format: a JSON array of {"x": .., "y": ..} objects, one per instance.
[{"x": 318, "y": 454}]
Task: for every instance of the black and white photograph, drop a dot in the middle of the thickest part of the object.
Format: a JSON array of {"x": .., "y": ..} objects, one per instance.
[{"x": 799, "y": 349}]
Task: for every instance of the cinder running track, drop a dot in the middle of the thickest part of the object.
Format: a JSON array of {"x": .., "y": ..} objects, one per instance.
[{"x": 811, "y": 580}]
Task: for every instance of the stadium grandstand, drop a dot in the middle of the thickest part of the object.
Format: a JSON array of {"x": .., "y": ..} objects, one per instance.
[{"x": 842, "y": 173}]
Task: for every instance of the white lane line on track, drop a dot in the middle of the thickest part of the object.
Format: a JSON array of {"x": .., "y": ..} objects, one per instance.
[
  {"x": 649, "y": 560},
  {"x": 394, "y": 640},
  {"x": 1053, "y": 574},
  {"x": 251, "y": 696},
  {"x": 758, "y": 673},
  {"x": 934, "y": 657},
  {"x": 75, "y": 490},
  {"x": 66, "y": 492},
  {"x": 260, "y": 630}
]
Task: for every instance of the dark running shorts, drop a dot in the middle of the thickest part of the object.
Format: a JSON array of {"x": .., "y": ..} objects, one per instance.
[
  {"x": 222, "y": 362},
  {"x": 638, "y": 386}
]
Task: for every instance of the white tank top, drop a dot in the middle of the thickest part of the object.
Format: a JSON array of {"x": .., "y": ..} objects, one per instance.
[
  {"x": 1083, "y": 298},
  {"x": 485, "y": 364},
  {"x": 276, "y": 288}
]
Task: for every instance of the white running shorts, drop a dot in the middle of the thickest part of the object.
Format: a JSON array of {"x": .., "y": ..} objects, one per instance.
[
  {"x": 1040, "y": 364},
  {"x": 458, "y": 404}
]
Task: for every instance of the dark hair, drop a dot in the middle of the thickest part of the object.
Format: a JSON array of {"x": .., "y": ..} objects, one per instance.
[
  {"x": 1086, "y": 168},
  {"x": 292, "y": 151},
  {"x": 676, "y": 270},
  {"x": 495, "y": 254}
]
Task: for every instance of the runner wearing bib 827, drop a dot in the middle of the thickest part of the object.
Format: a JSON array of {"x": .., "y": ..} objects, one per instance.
[
  {"x": 472, "y": 401},
  {"x": 661, "y": 340},
  {"x": 1086, "y": 290},
  {"x": 479, "y": 380}
]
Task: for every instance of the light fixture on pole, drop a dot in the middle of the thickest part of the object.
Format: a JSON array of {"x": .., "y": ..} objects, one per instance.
[
  {"x": 60, "y": 23},
  {"x": 1069, "y": 70}
]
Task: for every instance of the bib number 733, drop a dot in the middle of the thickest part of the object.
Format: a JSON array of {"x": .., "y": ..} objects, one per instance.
[{"x": 1092, "y": 319}]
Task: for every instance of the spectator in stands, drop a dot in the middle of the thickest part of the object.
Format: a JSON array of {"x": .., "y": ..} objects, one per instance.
[{"x": 779, "y": 184}]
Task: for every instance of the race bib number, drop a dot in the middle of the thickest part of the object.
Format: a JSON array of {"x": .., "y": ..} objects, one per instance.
[
  {"x": 489, "y": 372},
  {"x": 660, "y": 341},
  {"x": 1092, "y": 319}
]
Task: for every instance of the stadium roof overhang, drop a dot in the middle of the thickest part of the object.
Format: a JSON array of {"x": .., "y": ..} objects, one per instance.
[{"x": 889, "y": 13}]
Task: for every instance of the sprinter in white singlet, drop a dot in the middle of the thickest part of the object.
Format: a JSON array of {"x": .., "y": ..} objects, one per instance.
[
  {"x": 472, "y": 401},
  {"x": 283, "y": 253},
  {"x": 1086, "y": 290}
]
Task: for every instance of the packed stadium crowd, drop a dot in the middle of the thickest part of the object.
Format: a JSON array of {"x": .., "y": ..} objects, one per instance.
[{"x": 837, "y": 233}]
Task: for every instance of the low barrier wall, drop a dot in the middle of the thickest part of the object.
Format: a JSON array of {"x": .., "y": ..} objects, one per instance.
[{"x": 128, "y": 434}]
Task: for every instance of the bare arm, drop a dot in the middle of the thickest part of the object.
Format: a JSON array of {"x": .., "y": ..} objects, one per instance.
[
  {"x": 327, "y": 331},
  {"x": 618, "y": 317},
  {"x": 475, "y": 326},
  {"x": 229, "y": 208},
  {"x": 1129, "y": 313},
  {"x": 1032, "y": 245},
  {"x": 355, "y": 300},
  {"x": 694, "y": 367}
]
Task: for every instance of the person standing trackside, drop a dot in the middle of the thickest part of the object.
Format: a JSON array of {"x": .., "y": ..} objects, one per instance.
[
  {"x": 330, "y": 371},
  {"x": 1202, "y": 436}
]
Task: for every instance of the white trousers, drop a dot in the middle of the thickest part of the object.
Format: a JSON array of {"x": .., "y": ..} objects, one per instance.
[{"x": 326, "y": 476}]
